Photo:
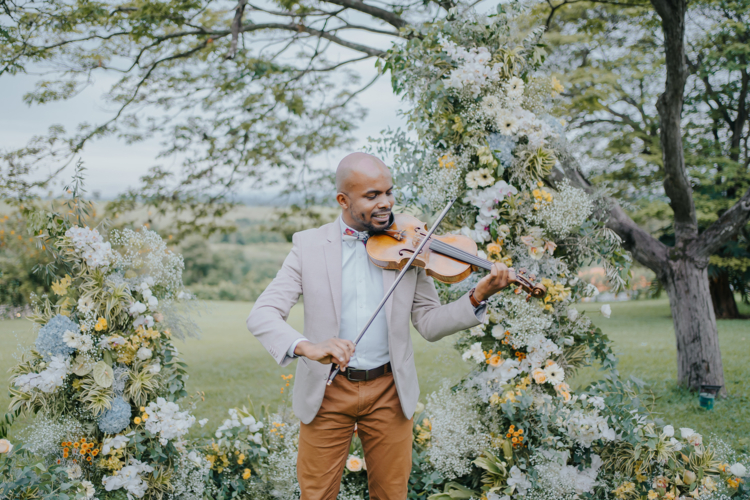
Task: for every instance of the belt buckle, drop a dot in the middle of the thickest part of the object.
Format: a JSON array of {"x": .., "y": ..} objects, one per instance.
[{"x": 348, "y": 372}]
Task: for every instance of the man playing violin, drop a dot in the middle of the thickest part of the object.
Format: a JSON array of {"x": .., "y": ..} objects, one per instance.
[{"x": 377, "y": 389}]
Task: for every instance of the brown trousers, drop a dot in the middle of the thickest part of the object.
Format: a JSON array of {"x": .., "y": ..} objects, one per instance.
[{"x": 385, "y": 432}]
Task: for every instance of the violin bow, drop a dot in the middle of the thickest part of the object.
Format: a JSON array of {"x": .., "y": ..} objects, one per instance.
[{"x": 397, "y": 280}]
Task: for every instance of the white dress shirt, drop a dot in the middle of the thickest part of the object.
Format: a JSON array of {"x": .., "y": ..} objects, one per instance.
[{"x": 361, "y": 292}]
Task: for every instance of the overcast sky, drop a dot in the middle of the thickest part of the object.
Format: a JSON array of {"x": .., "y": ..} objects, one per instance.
[{"x": 113, "y": 166}]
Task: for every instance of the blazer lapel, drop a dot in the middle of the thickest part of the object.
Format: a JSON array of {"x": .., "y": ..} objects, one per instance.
[{"x": 332, "y": 251}]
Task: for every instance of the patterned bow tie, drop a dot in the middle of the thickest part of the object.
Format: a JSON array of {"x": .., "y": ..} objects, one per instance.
[{"x": 352, "y": 235}]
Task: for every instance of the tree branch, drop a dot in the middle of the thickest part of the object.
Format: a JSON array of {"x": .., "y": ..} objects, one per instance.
[
  {"x": 645, "y": 248},
  {"x": 382, "y": 14},
  {"x": 722, "y": 230}
]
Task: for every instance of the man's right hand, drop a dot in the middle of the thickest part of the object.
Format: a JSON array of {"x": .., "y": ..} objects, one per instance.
[{"x": 337, "y": 351}]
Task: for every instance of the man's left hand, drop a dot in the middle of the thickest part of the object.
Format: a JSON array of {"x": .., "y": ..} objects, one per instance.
[{"x": 500, "y": 277}]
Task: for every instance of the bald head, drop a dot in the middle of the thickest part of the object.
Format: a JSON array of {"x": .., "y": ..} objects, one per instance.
[
  {"x": 356, "y": 167},
  {"x": 364, "y": 192}
]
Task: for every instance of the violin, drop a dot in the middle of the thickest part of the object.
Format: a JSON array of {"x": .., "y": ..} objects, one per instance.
[{"x": 448, "y": 258}]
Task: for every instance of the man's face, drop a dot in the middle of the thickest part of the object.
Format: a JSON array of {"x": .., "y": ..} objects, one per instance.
[{"x": 366, "y": 200}]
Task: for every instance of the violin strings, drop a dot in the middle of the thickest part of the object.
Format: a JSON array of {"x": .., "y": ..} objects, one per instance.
[{"x": 457, "y": 253}]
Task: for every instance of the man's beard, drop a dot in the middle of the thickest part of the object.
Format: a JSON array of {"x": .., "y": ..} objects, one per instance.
[{"x": 372, "y": 229}]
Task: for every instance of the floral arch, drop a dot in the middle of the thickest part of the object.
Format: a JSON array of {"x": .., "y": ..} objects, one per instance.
[{"x": 107, "y": 386}]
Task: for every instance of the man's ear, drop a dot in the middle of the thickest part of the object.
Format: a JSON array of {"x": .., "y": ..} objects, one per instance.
[{"x": 343, "y": 200}]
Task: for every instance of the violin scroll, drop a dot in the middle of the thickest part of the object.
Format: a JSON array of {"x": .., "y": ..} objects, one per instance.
[{"x": 536, "y": 290}]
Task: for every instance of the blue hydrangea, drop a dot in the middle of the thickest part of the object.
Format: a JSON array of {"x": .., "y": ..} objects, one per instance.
[
  {"x": 116, "y": 418},
  {"x": 50, "y": 340},
  {"x": 502, "y": 147}
]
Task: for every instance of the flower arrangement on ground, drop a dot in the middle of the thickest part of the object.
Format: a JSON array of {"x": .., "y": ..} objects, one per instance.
[
  {"x": 103, "y": 377},
  {"x": 482, "y": 111}
]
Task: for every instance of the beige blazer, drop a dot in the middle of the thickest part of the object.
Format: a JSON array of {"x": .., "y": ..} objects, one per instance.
[{"x": 313, "y": 269}]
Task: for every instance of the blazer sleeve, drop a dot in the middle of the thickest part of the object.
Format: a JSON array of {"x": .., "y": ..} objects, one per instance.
[
  {"x": 434, "y": 320},
  {"x": 267, "y": 319}
]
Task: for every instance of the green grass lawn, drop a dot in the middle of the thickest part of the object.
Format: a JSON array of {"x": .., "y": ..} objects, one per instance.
[{"x": 229, "y": 366}]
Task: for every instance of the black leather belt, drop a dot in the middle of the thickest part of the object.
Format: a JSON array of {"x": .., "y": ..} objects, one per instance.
[{"x": 363, "y": 375}]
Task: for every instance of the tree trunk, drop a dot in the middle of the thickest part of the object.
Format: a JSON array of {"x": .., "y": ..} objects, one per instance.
[
  {"x": 698, "y": 354},
  {"x": 722, "y": 297}
]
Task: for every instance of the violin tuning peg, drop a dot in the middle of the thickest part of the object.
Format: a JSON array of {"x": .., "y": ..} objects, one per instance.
[
  {"x": 528, "y": 297},
  {"x": 517, "y": 291}
]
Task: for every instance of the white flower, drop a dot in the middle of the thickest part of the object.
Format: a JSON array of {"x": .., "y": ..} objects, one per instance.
[
  {"x": 144, "y": 353},
  {"x": 48, "y": 380},
  {"x": 137, "y": 308},
  {"x": 85, "y": 305},
  {"x": 518, "y": 479},
  {"x": 152, "y": 302},
  {"x": 88, "y": 489},
  {"x": 257, "y": 438},
  {"x": 572, "y": 314},
  {"x": 195, "y": 458},
  {"x": 507, "y": 125},
  {"x": 686, "y": 432},
  {"x": 110, "y": 445},
  {"x": 477, "y": 331},
  {"x": 506, "y": 371},
  {"x": 203, "y": 422},
  {"x": 167, "y": 421},
  {"x": 738, "y": 470},
  {"x": 555, "y": 374},
  {"x": 479, "y": 178},
  {"x": 71, "y": 339},
  {"x": 668, "y": 431},
  {"x": 147, "y": 321},
  {"x": 514, "y": 87},
  {"x": 154, "y": 368},
  {"x": 475, "y": 352},
  {"x": 129, "y": 478},
  {"x": 606, "y": 310},
  {"x": 74, "y": 471},
  {"x": 86, "y": 343}
]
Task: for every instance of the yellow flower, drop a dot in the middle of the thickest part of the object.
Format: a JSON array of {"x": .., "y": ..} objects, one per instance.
[
  {"x": 137, "y": 420},
  {"x": 446, "y": 161},
  {"x": 495, "y": 399},
  {"x": 61, "y": 286},
  {"x": 494, "y": 252},
  {"x": 652, "y": 495},
  {"x": 557, "y": 87},
  {"x": 101, "y": 325},
  {"x": 246, "y": 474}
]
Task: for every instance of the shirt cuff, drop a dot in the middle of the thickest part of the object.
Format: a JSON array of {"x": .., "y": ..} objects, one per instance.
[
  {"x": 290, "y": 352},
  {"x": 479, "y": 312}
]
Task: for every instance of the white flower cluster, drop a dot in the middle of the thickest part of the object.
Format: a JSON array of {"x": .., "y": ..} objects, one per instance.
[
  {"x": 150, "y": 303},
  {"x": 474, "y": 70},
  {"x": 491, "y": 381},
  {"x": 112, "y": 444},
  {"x": 146, "y": 253},
  {"x": 236, "y": 420},
  {"x": 505, "y": 114},
  {"x": 49, "y": 379},
  {"x": 585, "y": 427},
  {"x": 80, "y": 341},
  {"x": 129, "y": 477},
  {"x": 556, "y": 479},
  {"x": 569, "y": 209},
  {"x": 166, "y": 420},
  {"x": 524, "y": 320},
  {"x": 486, "y": 200},
  {"x": 92, "y": 246},
  {"x": 189, "y": 477},
  {"x": 457, "y": 432},
  {"x": 518, "y": 481}
]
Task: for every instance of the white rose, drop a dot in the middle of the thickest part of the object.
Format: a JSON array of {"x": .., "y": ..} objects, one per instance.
[
  {"x": 668, "y": 431},
  {"x": 606, "y": 311},
  {"x": 572, "y": 314},
  {"x": 155, "y": 368},
  {"x": 144, "y": 353},
  {"x": 738, "y": 470},
  {"x": 5, "y": 446},
  {"x": 152, "y": 302}
]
